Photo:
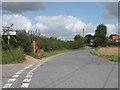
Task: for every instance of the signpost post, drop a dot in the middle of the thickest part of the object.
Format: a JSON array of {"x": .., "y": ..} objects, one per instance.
[{"x": 8, "y": 31}]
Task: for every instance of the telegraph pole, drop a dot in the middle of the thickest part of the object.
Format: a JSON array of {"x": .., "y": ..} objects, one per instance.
[
  {"x": 83, "y": 32},
  {"x": 83, "y": 39}
]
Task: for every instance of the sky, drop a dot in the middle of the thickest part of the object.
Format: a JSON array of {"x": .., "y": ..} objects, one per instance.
[{"x": 61, "y": 19}]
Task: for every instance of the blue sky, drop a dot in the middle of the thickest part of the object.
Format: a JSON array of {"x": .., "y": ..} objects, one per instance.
[
  {"x": 89, "y": 12},
  {"x": 54, "y": 18}
]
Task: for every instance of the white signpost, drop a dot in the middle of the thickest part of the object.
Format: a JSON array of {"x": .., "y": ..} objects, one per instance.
[{"x": 10, "y": 33}]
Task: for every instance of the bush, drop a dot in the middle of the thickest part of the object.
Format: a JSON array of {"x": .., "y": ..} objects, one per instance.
[
  {"x": 24, "y": 40},
  {"x": 111, "y": 44},
  {"x": 100, "y": 42},
  {"x": 13, "y": 56}
]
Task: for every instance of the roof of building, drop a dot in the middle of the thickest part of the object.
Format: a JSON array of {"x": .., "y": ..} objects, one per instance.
[{"x": 116, "y": 37}]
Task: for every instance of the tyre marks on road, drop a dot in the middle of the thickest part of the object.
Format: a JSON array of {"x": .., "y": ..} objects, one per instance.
[
  {"x": 14, "y": 77},
  {"x": 26, "y": 81}
]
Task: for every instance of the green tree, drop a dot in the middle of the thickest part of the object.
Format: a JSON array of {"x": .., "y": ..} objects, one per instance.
[
  {"x": 101, "y": 31},
  {"x": 100, "y": 36},
  {"x": 78, "y": 41},
  {"x": 25, "y": 41}
]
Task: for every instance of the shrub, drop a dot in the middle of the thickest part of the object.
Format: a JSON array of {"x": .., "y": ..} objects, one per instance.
[
  {"x": 13, "y": 56},
  {"x": 24, "y": 40},
  {"x": 111, "y": 44},
  {"x": 100, "y": 42}
]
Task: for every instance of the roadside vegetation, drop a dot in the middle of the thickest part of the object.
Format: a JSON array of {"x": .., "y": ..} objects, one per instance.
[
  {"x": 112, "y": 57},
  {"x": 13, "y": 56},
  {"x": 100, "y": 41},
  {"x": 40, "y": 54},
  {"x": 22, "y": 44}
]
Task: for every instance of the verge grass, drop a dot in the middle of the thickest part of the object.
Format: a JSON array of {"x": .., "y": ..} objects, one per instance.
[
  {"x": 42, "y": 53},
  {"x": 13, "y": 56},
  {"x": 113, "y": 58}
]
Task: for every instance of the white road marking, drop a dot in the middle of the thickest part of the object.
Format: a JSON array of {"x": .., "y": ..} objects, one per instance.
[
  {"x": 11, "y": 80},
  {"x": 25, "y": 85},
  {"x": 7, "y": 85},
  {"x": 38, "y": 65},
  {"x": 28, "y": 67},
  {"x": 19, "y": 72},
  {"x": 30, "y": 73},
  {"x": 28, "y": 76},
  {"x": 27, "y": 80},
  {"x": 15, "y": 76}
]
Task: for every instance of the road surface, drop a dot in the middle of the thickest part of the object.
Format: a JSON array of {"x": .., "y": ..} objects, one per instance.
[{"x": 78, "y": 69}]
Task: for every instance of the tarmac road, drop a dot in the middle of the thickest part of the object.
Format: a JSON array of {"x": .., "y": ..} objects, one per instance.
[{"x": 78, "y": 69}]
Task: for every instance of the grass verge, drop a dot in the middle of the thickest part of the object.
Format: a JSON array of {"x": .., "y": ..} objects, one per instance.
[
  {"x": 12, "y": 56},
  {"x": 113, "y": 58},
  {"x": 41, "y": 53}
]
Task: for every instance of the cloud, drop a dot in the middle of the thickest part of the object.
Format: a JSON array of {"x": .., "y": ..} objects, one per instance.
[
  {"x": 111, "y": 10},
  {"x": 66, "y": 27},
  {"x": 19, "y": 21},
  {"x": 112, "y": 29},
  {"x": 21, "y": 7},
  {"x": 62, "y": 26}
]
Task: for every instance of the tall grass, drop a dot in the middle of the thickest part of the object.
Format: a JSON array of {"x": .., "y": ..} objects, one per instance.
[
  {"x": 13, "y": 56},
  {"x": 113, "y": 58}
]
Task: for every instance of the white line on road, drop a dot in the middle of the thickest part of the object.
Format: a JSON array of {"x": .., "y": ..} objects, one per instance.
[
  {"x": 27, "y": 80},
  {"x": 25, "y": 85},
  {"x": 28, "y": 77},
  {"x": 11, "y": 80},
  {"x": 19, "y": 72},
  {"x": 14, "y": 77},
  {"x": 8, "y": 85}
]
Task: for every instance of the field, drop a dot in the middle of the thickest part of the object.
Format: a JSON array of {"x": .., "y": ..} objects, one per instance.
[{"x": 110, "y": 53}]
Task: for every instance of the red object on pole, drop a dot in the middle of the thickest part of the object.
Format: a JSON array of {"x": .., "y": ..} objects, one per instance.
[{"x": 35, "y": 45}]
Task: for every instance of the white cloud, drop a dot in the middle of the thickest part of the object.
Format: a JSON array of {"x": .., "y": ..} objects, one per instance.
[
  {"x": 19, "y": 21},
  {"x": 62, "y": 26},
  {"x": 112, "y": 29}
]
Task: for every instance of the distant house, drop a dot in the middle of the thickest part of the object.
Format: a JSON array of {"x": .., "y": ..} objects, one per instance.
[{"x": 116, "y": 38}]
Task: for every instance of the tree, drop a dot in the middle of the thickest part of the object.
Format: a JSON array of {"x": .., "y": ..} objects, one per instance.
[
  {"x": 101, "y": 30},
  {"x": 78, "y": 41},
  {"x": 100, "y": 35},
  {"x": 25, "y": 41}
]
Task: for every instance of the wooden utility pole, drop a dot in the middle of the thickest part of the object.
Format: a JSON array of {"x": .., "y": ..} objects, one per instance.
[{"x": 83, "y": 39}]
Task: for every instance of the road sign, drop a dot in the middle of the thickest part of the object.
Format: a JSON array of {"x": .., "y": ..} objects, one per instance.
[{"x": 9, "y": 33}]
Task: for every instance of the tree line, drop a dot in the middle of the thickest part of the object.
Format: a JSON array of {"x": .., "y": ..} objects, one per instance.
[
  {"x": 25, "y": 41},
  {"x": 100, "y": 38}
]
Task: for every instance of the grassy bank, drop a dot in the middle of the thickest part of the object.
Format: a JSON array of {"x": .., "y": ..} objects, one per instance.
[
  {"x": 114, "y": 58},
  {"x": 42, "y": 54},
  {"x": 12, "y": 56}
]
